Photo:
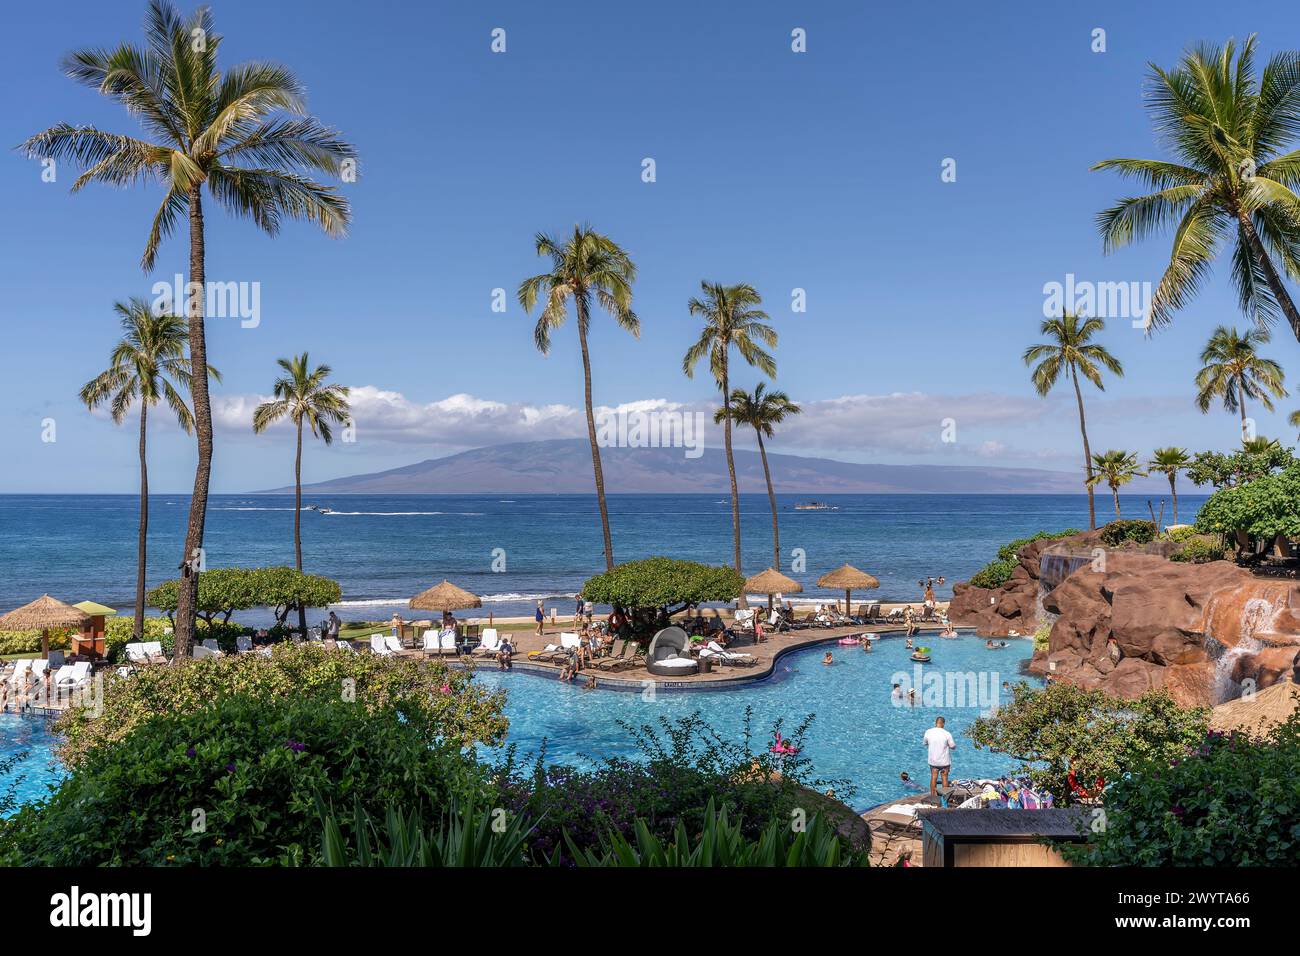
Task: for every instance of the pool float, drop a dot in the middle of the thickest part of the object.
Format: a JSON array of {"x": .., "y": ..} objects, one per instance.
[
  {"x": 850, "y": 641},
  {"x": 783, "y": 747},
  {"x": 921, "y": 655}
]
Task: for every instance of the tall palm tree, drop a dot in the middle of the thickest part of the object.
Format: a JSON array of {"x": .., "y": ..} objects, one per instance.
[
  {"x": 1116, "y": 468},
  {"x": 1233, "y": 370},
  {"x": 147, "y": 365},
  {"x": 1230, "y": 178},
  {"x": 731, "y": 317},
  {"x": 1293, "y": 420},
  {"x": 201, "y": 124},
  {"x": 761, "y": 410},
  {"x": 584, "y": 267},
  {"x": 302, "y": 395},
  {"x": 1070, "y": 350},
  {"x": 1170, "y": 461}
]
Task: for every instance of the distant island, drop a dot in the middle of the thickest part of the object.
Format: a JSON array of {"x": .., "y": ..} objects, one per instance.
[{"x": 563, "y": 466}]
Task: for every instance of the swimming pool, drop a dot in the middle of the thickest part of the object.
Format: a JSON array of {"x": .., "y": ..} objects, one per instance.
[
  {"x": 859, "y": 734},
  {"x": 38, "y": 768}
]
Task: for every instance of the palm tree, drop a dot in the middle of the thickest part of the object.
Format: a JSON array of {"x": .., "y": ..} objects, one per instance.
[
  {"x": 303, "y": 396},
  {"x": 1293, "y": 420},
  {"x": 1227, "y": 130},
  {"x": 1116, "y": 468},
  {"x": 147, "y": 365},
  {"x": 1070, "y": 351},
  {"x": 202, "y": 123},
  {"x": 585, "y": 267},
  {"x": 730, "y": 318},
  {"x": 1170, "y": 461},
  {"x": 1233, "y": 370},
  {"x": 761, "y": 411}
]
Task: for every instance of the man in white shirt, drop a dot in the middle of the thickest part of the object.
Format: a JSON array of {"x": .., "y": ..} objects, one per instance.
[{"x": 939, "y": 746}]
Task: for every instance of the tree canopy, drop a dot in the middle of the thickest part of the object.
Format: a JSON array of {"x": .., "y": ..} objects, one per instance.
[
  {"x": 663, "y": 583},
  {"x": 1264, "y": 509},
  {"x": 222, "y": 591}
]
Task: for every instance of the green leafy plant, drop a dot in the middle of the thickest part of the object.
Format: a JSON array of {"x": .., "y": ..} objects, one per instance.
[
  {"x": 1226, "y": 800},
  {"x": 234, "y": 783},
  {"x": 1121, "y": 531},
  {"x": 994, "y": 574},
  {"x": 1262, "y": 509},
  {"x": 442, "y": 701},
  {"x": 464, "y": 837},
  {"x": 652, "y": 588},
  {"x": 1200, "y": 550},
  {"x": 222, "y": 591},
  {"x": 1061, "y": 728},
  {"x": 722, "y": 842}
]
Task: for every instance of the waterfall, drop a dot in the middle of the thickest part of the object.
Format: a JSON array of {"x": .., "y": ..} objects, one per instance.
[{"x": 1256, "y": 617}]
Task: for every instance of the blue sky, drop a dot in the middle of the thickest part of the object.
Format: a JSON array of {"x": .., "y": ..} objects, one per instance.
[{"x": 818, "y": 170}]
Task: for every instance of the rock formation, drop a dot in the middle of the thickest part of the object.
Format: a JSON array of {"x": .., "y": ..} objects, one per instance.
[{"x": 1136, "y": 621}]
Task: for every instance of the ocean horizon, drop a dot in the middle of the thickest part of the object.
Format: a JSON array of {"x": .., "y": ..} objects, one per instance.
[{"x": 514, "y": 550}]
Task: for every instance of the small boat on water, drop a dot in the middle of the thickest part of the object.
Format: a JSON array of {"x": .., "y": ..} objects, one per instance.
[
  {"x": 321, "y": 511},
  {"x": 815, "y": 506}
]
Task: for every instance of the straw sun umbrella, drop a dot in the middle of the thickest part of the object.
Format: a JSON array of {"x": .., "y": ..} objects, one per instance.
[
  {"x": 44, "y": 614},
  {"x": 1259, "y": 712},
  {"x": 848, "y": 579},
  {"x": 444, "y": 597},
  {"x": 769, "y": 582}
]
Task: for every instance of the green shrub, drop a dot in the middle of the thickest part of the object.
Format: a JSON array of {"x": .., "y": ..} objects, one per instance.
[
  {"x": 994, "y": 574},
  {"x": 1042, "y": 636},
  {"x": 1011, "y": 550},
  {"x": 1128, "y": 529},
  {"x": 1061, "y": 727},
  {"x": 26, "y": 642},
  {"x": 429, "y": 693},
  {"x": 463, "y": 837},
  {"x": 234, "y": 783},
  {"x": 1200, "y": 550},
  {"x": 1227, "y": 801},
  {"x": 1180, "y": 533},
  {"x": 222, "y": 591}
]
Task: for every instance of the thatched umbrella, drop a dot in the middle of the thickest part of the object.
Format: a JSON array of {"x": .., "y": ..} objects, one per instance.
[
  {"x": 769, "y": 582},
  {"x": 43, "y": 614},
  {"x": 1259, "y": 712},
  {"x": 444, "y": 597},
  {"x": 848, "y": 579}
]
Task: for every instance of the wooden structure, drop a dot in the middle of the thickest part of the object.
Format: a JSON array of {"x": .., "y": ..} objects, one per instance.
[
  {"x": 90, "y": 642},
  {"x": 999, "y": 837}
]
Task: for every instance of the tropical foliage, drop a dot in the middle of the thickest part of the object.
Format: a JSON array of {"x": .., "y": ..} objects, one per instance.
[
  {"x": 1230, "y": 179},
  {"x": 1060, "y": 728},
  {"x": 1116, "y": 468},
  {"x": 762, "y": 411},
  {"x": 1224, "y": 800},
  {"x": 222, "y": 591},
  {"x": 731, "y": 318},
  {"x": 1071, "y": 352},
  {"x": 146, "y": 366},
  {"x": 441, "y": 701},
  {"x": 1261, "y": 510},
  {"x": 1169, "y": 462},
  {"x": 1233, "y": 371},
  {"x": 1251, "y": 462},
  {"x": 665, "y": 584},
  {"x": 587, "y": 268},
  {"x": 1136, "y": 530},
  {"x": 243, "y": 132}
]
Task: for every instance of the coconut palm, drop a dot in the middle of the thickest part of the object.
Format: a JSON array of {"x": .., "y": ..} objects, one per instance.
[
  {"x": 761, "y": 410},
  {"x": 146, "y": 366},
  {"x": 1293, "y": 420},
  {"x": 731, "y": 317},
  {"x": 1230, "y": 177},
  {"x": 1233, "y": 371},
  {"x": 1070, "y": 350},
  {"x": 1116, "y": 468},
  {"x": 202, "y": 126},
  {"x": 302, "y": 395},
  {"x": 585, "y": 266},
  {"x": 1170, "y": 461}
]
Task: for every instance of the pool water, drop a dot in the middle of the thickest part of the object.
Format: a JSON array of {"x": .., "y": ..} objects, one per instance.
[
  {"x": 38, "y": 767},
  {"x": 858, "y": 734}
]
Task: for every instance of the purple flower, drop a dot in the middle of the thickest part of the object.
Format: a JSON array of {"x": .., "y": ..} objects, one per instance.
[
  {"x": 230, "y": 768},
  {"x": 190, "y": 752},
  {"x": 295, "y": 746}
]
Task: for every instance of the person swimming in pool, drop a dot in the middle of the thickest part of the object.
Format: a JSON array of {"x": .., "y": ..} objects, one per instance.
[{"x": 829, "y": 658}]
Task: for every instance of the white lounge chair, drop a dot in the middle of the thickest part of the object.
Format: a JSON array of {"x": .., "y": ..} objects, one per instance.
[
  {"x": 724, "y": 656},
  {"x": 22, "y": 667},
  {"x": 39, "y": 667},
  {"x": 447, "y": 641},
  {"x": 430, "y": 642},
  {"x": 73, "y": 675},
  {"x": 379, "y": 646},
  {"x": 344, "y": 646},
  {"x": 490, "y": 643},
  {"x": 211, "y": 645},
  {"x": 394, "y": 644},
  {"x": 243, "y": 644},
  {"x": 201, "y": 652}
]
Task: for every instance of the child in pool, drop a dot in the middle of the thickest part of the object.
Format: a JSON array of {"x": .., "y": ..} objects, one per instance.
[{"x": 829, "y": 658}]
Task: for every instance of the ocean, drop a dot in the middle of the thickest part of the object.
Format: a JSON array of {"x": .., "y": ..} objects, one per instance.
[{"x": 515, "y": 550}]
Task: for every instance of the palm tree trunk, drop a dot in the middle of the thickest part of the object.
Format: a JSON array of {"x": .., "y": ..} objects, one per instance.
[
  {"x": 771, "y": 497},
  {"x": 591, "y": 436},
  {"x": 188, "y": 592},
  {"x": 297, "y": 524},
  {"x": 137, "y": 628},
  {"x": 1241, "y": 404},
  {"x": 1114, "y": 490},
  {"x": 1270, "y": 272},
  {"x": 1173, "y": 490},
  {"x": 1087, "y": 451},
  {"x": 731, "y": 466}
]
